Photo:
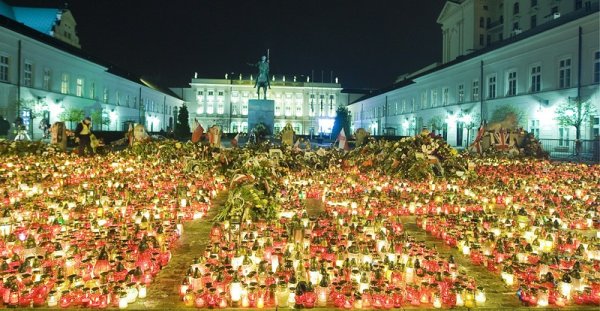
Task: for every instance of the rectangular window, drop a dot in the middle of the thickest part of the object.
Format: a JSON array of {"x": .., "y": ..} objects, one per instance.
[
  {"x": 533, "y": 21},
  {"x": 461, "y": 93},
  {"x": 210, "y": 107},
  {"x": 536, "y": 79},
  {"x": 491, "y": 87},
  {"x": 534, "y": 128},
  {"x": 46, "y": 79},
  {"x": 3, "y": 68},
  {"x": 564, "y": 73},
  {"x": 512, "y": 84},
  {"x": 481, "y": 42},
  {"x": 445, "y": 96},
  {"x": 277, "y": 107},
  {"x": 64, "y": 83},
  {"x": 403, "y": 105},
  {"x": 475, "y": 91},
  {"x": 597, "y": 67},
  {"x": 93, "y": 92},
  {"x": 105, "y": 97},
  {"x": 434, "y": 97},
  {"x": 298, "y": 109},
  {"x": 563, "y": 136},
  {"x": 220, "y": 107},
  {"x": 578, "y": 4},
  {"x": 79, "y": 87},
  {"x": 28, "y": 74},
  {"x": 245, "y": 112},
  {"x": 423, "y": 100}
]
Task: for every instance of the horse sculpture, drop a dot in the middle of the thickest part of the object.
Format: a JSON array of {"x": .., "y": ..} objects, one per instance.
[{"x": 262, "y": 81}]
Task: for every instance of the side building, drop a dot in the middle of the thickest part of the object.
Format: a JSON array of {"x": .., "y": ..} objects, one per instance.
[
  {"x": 310, "y": 107},
  {"x": 531, "y": 71},
  {"x": 44, "y": 77}
]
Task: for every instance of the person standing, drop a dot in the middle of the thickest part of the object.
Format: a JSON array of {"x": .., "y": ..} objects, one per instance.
[{"x": 83, "y": 132}]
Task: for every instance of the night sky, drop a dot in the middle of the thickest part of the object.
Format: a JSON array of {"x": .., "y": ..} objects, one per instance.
[{"x": 367, "y": 44}]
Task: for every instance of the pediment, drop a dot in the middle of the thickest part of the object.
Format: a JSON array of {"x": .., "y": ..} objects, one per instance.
[{"x": 449, "y": 9}]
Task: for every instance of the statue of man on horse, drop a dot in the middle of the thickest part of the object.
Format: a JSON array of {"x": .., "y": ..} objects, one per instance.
[{"x": 262, "y": 81}]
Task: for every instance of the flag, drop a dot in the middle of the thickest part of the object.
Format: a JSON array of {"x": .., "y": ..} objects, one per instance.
[
  {"x": 234, "y": 141},
  {"x": 476, "y": 145},
  {"x": 502, "y": 138},
  {"x": 197, "y": 135},
  {"x": 343, "y": 143}
]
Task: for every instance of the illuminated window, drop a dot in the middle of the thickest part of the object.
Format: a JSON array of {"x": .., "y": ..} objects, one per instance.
[
  {"x": 461, "y": 93},
  {"x": 64, "y": 83},
  {"x": 3, "y": 68},
  {"x": 245, "y": 111},
  {"x": 596, "y": 66},
  {"x": 536, "y": 79},
  {"x": 445, "y": 96},
  {"x": 512, "y": 84},
  {"x": 105, "y": 96},
  {"x": 28, "y": 74},
  {"x": 245, "y": 125},
  {"x": 475, "y": 90},
  {"x": 46, "y": 79},
  {"x": 491, "y": 87},
  {"x": 534, "y": 128},
  {"x": 403, "y": 105},
  {"x": 79, "y": 87},
  {"x": 298, "y": 109},
  {"x": 423, "y": 100},
  {"x": 564, "y": 73},
  {"x": 93, "y": 92},
  {"x": 277, "y": 107},
  {"x": 210, "y": 107},
  {"x": 563, "y": 136},
  {"x": 434, "y": 98},
  {"x": 220, "y": 107}
]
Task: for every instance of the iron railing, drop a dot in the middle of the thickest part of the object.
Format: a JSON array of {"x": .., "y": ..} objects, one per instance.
[{"x": 570, "y": 150}]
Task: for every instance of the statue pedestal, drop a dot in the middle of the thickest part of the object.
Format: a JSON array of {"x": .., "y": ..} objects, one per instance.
[{"x": 261, "y": 111}]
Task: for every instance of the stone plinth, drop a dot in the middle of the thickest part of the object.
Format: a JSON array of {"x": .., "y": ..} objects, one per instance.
[{"x": 261, "y": 111}]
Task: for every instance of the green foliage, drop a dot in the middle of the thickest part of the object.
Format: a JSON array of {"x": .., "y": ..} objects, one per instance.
[
  {"x": 435, "y": 124},
  {"x": 504, "y": 111},
  {"x": 261, "y": 131},
  {"x": 182, "y": 127},
  {"x": 573, "y": 113},
  {"x": 342, "y": 120},
  {"x": 72, "y": 115},
  {"x": 98, "y": 120}
]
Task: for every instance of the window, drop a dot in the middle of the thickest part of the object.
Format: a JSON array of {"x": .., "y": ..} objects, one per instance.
[
  {"x": 516, "y": 26},
  {"x": 554, "y": 10},
  {"x": 533, "y": 21},
  {"x": 533, "y": 3},
  {"x": 93, "y": 92},
  {"x": 28, "y": 74},
  {"x": 64, "y": 83},
  {"x": 434, "y": 97},
  {"x": 278, "y": 108},
  {"x": 597, "y": 67},
  {"x": 534, "y": 128},
  {"x": 3, "y": 68},
  {"x": 563, "y": 136},
  {"x": 536, "y": 79},
  {"x": 475, "y": 91},
  {"x": 200, "y": 108},
  {"x": 461, "y": 93},
  {"x": 445, "y": 96},
  {"x": 210, "y": 107},
  {"x": 245, "y": 113},
  {"x": 403, "y": 105},
  {"x": 516, "y": 8},
  {"x": 481, "y": 22},
  {"x": 79, "y": 87},
  {"x": 481, "y": 42},
  {"x": 105, "y": 96},
  {"x": 578, "y": 4},
  {"x": 220, "y": 107},
  {"x": 512, "y": 84},
  {"x": 298, "y": 109},
  {"x": 491, "y": 87},
  {"x": 118, "y": 101},
  {"x": 46, "y": 79},
  {"x": 423, "y": 100},
  {"x": 564, "y": 73}
]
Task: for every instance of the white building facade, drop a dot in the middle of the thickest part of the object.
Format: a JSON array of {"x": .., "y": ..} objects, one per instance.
[
  {"x": 533, "y": 71},
  {"x": 42, "y": 77},
  {"x": 310, "y": 107}
]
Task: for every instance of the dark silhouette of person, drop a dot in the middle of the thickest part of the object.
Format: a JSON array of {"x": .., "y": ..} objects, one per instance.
[{"x": 83, "y": 132}]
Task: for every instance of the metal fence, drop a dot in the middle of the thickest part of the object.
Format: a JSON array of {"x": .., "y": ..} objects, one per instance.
[{"x": 569, "y": 150}]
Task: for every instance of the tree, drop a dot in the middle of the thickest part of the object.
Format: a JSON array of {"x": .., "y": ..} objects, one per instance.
[
  {"x": 502, "y": 112},
  {"x": 72, "y": 115},
  {"x": 182, "y": 127},
  {"x": 342, "y": 120},
  {"x": 98, "y": 119},
  {"x": 574, "y": 112},
  {"x": 436, "y": 124}
]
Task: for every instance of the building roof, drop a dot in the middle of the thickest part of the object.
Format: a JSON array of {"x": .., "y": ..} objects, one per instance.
[
  {"x": 564, "y": 19},
  {"x": 40, "y": 19},
  {"x": 18, "y": 27}
]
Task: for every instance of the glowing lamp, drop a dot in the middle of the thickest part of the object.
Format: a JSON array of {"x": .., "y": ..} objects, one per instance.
[
  {"x": 480, "y": 296},
  {"x": 542, "y": 298},
  {"x": 235, "y": 290}
]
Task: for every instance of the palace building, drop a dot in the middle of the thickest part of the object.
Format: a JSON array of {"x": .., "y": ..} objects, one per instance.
[{"x": 530, "y": 56}]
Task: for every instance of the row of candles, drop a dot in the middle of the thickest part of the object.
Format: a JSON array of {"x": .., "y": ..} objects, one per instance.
[
  {"x": 90, "y": 234},
  {"x": 352, "y": 261}
]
